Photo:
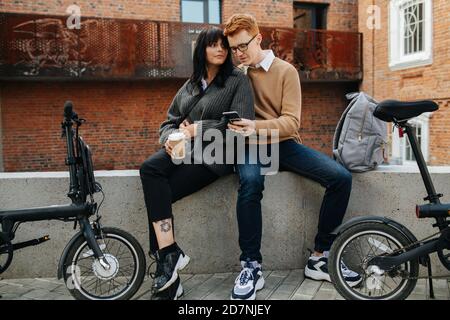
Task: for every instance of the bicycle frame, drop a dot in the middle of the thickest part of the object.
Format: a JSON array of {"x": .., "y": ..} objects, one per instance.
[
  {"x": 426, "y": 247},
  {"x": 79, "y": 210}
]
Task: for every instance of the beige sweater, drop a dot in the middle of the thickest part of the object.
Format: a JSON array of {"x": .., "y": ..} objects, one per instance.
[{"x": 277, "y": 96}]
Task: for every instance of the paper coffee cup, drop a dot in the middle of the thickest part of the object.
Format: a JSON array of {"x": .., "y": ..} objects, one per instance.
[{"x": 178, "y": 144}]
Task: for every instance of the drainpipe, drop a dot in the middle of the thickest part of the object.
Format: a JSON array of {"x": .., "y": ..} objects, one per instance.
[{"x": 373, "y": 56}]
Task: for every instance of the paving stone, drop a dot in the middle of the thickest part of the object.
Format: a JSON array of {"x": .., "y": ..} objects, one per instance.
[
  {"x": 271, "y": 282},
  {"x": 279, "y": 284},
  {"x": 206, "y": 287},
  {"x": 36, "y": 294},
  {"x": 223, "y": 291},
  {"x": 64, "y": 297},
  {"x": 339, "y": 297},
  {"x": 20, "y": 282},
  {"x": 9, "y": 296},
  {"x": 295, "y": 277},
  {"x": 301, "y": 297},
  {"x": 56, "y": 296},
  {"x": 327, "y": 286},
  {"x": 16, "y": 289},
  {"x": 414, "y": 296},
  {"x": 308, "y": 287},
  {"x": 325, "y": 295},
  {"x": 283, "y": 292},
  {"x": 22, "y": 298},
  {"x": 47, "y": 284},
  {"x": 194, "y": 282}
]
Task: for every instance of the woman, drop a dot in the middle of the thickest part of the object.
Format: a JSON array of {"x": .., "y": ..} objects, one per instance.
[{"x": 214, "y": 87}]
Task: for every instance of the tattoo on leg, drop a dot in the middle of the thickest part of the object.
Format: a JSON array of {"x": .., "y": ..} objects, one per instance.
[{"x": 165, "y": 226}]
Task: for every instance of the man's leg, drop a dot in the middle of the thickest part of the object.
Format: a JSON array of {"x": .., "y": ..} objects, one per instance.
[
  {"x": 248, "y": 208},
  {"x": 337, "y": 181},
  {"x": 335, "y": 178}
]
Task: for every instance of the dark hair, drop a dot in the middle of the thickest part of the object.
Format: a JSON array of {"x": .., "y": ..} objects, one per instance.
[{"x": 207, "y": 37}]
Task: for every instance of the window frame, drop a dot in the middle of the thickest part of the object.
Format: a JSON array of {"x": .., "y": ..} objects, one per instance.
[
  {"x": 397, "y": 59},
  {"x": 205, "y": 11},
  {"x": 399, "y": 148},
  {"x": 314, "y": 7}
]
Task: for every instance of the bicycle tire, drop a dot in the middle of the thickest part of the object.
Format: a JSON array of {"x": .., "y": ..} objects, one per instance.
[
  {"x": 72, "y": 262},
  {"x": 345, "y": 238}
]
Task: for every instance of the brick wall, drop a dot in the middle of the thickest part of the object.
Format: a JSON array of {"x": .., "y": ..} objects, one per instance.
[
  {"x": 123, "y": 120},
  {"x": 428, "y": 82},
  {"x": 168, "y": 10},
  {"x": 440, "y": 134},
  {"x": 342, "y": 14},
  {"x": 321, "y": 110},
  {"x": 266, "y": 12},
  {"x": 124, "y": 117},
  {"x": 122, "y": 130}
]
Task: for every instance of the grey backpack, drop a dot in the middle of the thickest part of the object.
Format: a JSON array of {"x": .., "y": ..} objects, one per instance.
[{"x": 360, "y": 138}]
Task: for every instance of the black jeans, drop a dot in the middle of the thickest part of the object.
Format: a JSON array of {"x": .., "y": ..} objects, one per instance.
[
  {"x": 306, "y": 162},
  {"x": 164, "y": 183}
]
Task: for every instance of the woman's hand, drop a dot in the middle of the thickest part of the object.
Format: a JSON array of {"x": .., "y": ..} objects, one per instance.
[
  {"x": 168, "y": 148},
  {"x": 190, "y": 131},
  {"x": 184, "y": 124},
  {"x": 245, "y": 127}
]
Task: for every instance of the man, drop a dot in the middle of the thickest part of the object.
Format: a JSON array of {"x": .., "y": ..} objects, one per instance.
[{"x": 277, "y": 94}]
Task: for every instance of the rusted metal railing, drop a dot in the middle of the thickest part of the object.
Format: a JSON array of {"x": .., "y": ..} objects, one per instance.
[{"x": 44, "y": 48}]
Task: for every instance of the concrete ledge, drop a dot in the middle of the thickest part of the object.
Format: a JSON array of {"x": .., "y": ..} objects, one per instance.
[{"x": 206, "y": 226}]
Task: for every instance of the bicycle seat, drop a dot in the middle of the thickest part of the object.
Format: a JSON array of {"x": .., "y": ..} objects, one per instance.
[{"x": 390, "y": 110}]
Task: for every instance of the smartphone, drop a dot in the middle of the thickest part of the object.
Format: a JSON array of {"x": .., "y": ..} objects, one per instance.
[{"x": 232, "y": 116}]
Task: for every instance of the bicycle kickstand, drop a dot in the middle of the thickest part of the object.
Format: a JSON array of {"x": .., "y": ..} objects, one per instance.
[{"x": 430, "y": 278}]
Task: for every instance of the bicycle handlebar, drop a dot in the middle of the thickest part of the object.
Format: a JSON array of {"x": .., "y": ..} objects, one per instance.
[{"x": 69, "y": 114}]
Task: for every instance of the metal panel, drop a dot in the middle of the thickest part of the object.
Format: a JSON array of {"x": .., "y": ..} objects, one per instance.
[{"x": 43, "y": 48}]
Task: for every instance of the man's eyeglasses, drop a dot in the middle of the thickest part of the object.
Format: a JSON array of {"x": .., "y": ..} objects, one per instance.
[{"x": 243, "y": 46}]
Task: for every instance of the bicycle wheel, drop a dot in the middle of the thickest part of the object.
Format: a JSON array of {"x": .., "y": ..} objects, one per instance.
[
  {"x": 355, "y": 247},
  {"x": 87, "y": 279}
]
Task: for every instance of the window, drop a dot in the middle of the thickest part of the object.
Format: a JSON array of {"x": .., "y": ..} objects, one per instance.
[
  {"x": 201, "y": 11},
  {"x": 401, "y": 149},
  {"x": 410, "y": 33},
  {"x": 310, "y": 16},
  {"x": 409, "y": 154}
]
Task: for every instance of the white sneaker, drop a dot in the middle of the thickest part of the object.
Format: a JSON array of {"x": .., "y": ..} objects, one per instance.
[
  {"x": 317, "y": 269},
  {"x": 248, "y": 281}
]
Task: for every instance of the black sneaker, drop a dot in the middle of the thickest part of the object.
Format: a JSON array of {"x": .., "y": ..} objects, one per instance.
[
  {"x": 317, "y": 269},
  {"x": 248, "y": 281},
  {"x": 167, "y": 267},
  {"x": 173, "y": 292}
]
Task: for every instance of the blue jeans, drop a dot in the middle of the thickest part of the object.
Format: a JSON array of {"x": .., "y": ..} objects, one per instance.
[{"x": 306, "y": 162}]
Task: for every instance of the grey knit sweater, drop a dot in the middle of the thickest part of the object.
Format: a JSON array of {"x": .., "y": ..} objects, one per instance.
[{"x": 236, "y": 95}]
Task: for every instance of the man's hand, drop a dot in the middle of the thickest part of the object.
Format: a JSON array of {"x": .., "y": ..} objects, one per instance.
[{"x": 245, "y": 127}]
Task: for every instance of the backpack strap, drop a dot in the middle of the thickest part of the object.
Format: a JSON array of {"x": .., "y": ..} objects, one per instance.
[{"x": 353, "y": 96}]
